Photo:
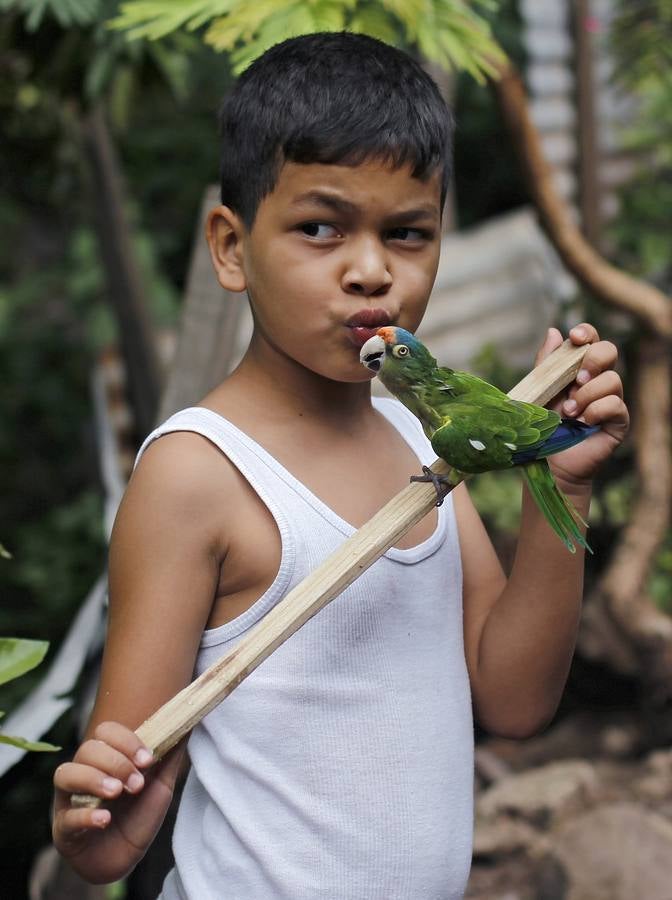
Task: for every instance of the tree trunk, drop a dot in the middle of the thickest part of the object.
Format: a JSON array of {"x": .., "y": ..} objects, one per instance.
[{"x": 125, "y": 288}]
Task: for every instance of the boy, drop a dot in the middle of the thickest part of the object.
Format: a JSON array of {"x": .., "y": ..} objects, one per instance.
[{"x": 342, "y": 767}]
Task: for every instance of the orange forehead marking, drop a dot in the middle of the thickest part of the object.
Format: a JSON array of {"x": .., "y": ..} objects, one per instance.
[{"x": 387, "y": 334}]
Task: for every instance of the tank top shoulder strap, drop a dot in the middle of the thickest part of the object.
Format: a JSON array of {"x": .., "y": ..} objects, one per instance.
[
  {"x": 250, "y": 458},
  {"x": 257, "y": 466},
  {"x": 260, "y": 470},
  {"x": 408, "y": 426}
]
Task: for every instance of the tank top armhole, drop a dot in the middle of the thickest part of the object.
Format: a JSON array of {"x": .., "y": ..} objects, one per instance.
[{"x": 216, "y": 433}]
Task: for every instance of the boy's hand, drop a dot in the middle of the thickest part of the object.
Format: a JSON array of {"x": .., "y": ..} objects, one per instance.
[
  {"x": 105, "y": 844},
  {"x": 595, "y": 397}
]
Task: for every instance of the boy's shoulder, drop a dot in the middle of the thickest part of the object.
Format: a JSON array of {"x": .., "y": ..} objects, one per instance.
[{"x": 181, "y": 473}]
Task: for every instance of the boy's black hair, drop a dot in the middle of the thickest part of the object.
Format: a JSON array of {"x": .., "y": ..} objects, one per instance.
[{"x": 332, "y": 97}]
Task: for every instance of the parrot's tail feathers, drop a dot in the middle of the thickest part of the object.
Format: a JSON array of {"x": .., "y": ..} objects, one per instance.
[
  {"x": 560, "y": 513},
  {"x": 568, "y": 433}
]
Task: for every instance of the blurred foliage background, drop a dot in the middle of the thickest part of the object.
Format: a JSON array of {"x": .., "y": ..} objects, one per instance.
[
  {"x": 55, "y": 315},
  {"x": 58, "y": 60}
]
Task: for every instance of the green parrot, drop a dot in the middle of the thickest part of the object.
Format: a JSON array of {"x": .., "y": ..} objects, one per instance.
[{"x": 475, "y": 427}]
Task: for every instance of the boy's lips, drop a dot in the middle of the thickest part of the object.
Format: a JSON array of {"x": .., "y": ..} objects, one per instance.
[{"x": 364, "y": 324}]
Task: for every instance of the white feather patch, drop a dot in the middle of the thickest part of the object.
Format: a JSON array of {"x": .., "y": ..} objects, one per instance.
[
  {"x": 477, "y": 445},
  {"x": 510, "y": 446}
]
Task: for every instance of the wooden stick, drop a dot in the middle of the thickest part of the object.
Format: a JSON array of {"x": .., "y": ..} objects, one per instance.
[{"x": 179, "y": 715}]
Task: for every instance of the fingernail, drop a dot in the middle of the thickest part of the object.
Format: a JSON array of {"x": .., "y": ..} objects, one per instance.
[
  {"x": 111, "y": 785},
  {"x": 583, "y": 376},
  {"x": 134, "y": 782},
  {"x": 100, "y": 817},
  {"x": 569, "y": 406},
  {"x": 143, "y": 757},
  {"x": 579, "y": 333}
]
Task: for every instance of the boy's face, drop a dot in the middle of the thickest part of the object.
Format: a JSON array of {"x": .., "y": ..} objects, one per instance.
[{"x": 335, "y": 252}]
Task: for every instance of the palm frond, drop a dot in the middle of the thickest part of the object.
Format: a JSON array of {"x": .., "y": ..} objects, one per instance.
[
  {"x": 452, "y": 33},
  {"x": 154, "y": 19},
  {"x": 68, "y": 13},
  {"x": 373, "y": 20}
]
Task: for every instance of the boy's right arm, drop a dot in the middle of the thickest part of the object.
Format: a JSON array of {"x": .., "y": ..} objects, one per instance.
[{"x": 165, "y": 557}]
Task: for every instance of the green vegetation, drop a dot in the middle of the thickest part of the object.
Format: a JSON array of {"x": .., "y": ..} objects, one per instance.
[
  {"x": 16, "y": 658},
  {"x": 55, "y": 317},
  {"x": 451, "y": 33}
]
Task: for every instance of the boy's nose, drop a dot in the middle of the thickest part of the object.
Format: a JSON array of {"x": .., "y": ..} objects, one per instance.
[{"x": 367, "y": 270}]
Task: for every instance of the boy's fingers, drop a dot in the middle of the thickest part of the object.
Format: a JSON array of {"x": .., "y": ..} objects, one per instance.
[
  {"x": 124, "y": 740},
  {"x": 610, "y": 412},
  {"x": 109, "y": 761},
  {"x": 71, "y": 823},
  {"x": 585, "y": 333},
  {"x": 77, "y": 778},
  {"x": 600, "y": 357},
  {"x": 603, "y": 385},
  {"x": 552, "y": 341}
]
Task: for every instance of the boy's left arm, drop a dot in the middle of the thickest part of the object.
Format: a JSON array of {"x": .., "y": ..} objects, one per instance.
[{"x": 520, "y": 633}]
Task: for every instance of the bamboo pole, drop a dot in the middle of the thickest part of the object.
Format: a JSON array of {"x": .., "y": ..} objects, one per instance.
[{"x": 169, "y": 724}]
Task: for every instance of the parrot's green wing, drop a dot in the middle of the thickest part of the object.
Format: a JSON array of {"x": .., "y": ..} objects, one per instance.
[{"x": 481, "y": 427}]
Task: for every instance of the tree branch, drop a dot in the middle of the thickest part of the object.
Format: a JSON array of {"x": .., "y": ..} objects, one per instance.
[
  {"x": 606, "y": 282},
  {"x": 621, "y": 592}
]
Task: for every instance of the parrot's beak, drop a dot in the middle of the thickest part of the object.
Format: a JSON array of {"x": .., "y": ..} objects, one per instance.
[{"x": 372, "y": 353}]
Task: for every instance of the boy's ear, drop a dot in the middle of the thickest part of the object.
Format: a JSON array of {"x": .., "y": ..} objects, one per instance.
[{"x": 225, "y": 231}]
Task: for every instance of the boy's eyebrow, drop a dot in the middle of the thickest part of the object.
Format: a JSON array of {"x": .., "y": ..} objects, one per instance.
[{"x": 341, "y": 205}]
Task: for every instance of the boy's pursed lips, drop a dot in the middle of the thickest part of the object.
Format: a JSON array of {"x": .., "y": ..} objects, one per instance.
[{"x": 365, "y": 323}]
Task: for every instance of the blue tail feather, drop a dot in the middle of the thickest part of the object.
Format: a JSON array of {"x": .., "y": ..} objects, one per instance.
[{"x": 568, "y": 433}]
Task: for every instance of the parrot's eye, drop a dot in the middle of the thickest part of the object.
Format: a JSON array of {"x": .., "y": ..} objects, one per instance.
[{"x": 400, "y": 350}]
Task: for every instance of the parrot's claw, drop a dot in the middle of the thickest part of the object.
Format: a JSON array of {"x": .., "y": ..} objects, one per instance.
[{"x": 436, "y": 480}]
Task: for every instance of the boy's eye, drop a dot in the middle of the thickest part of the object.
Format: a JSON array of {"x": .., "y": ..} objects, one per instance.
[
  {"x": 319, "y": 230},
  {"x": 407, "y": 234}
]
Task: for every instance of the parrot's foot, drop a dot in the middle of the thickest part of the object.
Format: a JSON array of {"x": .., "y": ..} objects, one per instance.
[{"x": 436, "y": 480}]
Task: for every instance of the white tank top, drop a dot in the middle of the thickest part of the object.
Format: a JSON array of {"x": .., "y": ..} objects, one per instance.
[{"x": 342, "y": 768}]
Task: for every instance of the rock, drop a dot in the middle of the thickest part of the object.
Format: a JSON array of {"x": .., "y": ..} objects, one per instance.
[
  {"x": 502, "y": 837},
  {"x": 652, "y": 787},
  {"x": 619, "y": 742},
  {"x": 655, "y": 783},
  {"x": 513, "y": 878},
  {"x": 660, "y": 762},
  {"x": 541, "y": 796},
  {"x": 616, "y": 852}
]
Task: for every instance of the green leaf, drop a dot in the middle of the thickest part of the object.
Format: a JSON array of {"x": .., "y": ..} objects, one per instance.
[
  {"x": 99, "y": 72},
  {"x": 449, "y": 32},
  {"x": 174, "y": 66},
  {"x": 68, "y": 13},
  {"x": 376, "y": 23},
  {"x": 266, "y": 17},
  {"x": 154, "y": 19},
  {"x": 28, "y": 745},
  {"x": 328, "y": 15},
  {"x": 18, "y": 656}
]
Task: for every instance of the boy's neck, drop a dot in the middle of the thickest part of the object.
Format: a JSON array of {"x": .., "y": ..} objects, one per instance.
[{"x": 285, "y": 388}]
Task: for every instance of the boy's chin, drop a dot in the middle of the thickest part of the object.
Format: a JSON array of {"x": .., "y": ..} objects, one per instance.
[{"x": 358, "y": 378}]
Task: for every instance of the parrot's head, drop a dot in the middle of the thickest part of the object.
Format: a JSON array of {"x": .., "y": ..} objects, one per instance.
[{"x": 397, "y": 357}]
